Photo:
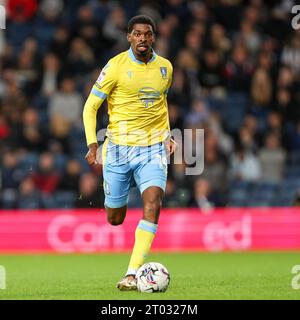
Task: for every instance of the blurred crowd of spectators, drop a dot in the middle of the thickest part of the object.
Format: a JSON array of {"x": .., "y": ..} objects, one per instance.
[{"x": 236, "y": 75}]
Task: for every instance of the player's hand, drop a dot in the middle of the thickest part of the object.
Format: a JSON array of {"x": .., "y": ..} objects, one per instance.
[
  {"x": 171, "y": 146},
  {"x": 91, "y": 156},
  {"x": 92, "y": 159}
]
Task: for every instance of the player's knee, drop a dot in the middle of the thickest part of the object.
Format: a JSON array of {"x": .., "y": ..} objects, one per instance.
[
  {"x": 116, "y": 216},
  {"x": 115, "y": 220}
]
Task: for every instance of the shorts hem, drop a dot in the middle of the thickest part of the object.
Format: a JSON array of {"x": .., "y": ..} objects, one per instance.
[
  {"x": 115, "y": 204},
  {"x": 153, "y": 183}
]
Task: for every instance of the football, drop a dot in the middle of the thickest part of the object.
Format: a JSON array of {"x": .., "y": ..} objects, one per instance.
[{"x": 152, "y": 277}]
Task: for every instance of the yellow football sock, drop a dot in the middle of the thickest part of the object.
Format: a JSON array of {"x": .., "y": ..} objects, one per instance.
[{"x": 144, "y": 235}]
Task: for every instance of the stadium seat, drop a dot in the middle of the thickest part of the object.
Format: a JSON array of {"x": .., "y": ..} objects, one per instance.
[
  {"x": 258, "y": 203},
  {"x": 65, "y": 199},
  {"x": 60, "y": 161},
  {"x": 16, "y": 34},
  {"x": 263, "y": 191},
  {"x": 49, "y": 201},
  {"x": 238, "y": 193},
  {"x": 29, "y": 162},
  {"x": 294, "y": 158},
  {"x": 215, "y": 104},
  {"x": 29, "y": 203},
  {"x": 183, "y": 196},
  {"x": 292, "y": 171},
  {"x": 80, "y": 158},
  {"x": 77, "y": 133},
  {"x": 290, "y": 183},
  {"x": 282, "y": 202},
  {"x": 240, "y": 184},
  {"x": 236, "y": 203},
  {"x": 8, "y": 198},
  {"x": 234, "y": 111},
  {"x": 286, "y": 192},
  {"x": 79, "y": 147}
]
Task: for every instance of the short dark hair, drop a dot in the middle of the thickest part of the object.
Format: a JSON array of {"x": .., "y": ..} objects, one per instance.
[{"x": 143, "y": 19}]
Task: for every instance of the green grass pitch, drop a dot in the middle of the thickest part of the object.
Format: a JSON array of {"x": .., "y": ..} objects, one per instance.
[{"x": 193, "y": 276}]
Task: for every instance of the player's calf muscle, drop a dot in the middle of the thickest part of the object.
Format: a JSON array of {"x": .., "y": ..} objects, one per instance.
[
  {"x": 151, "y": 210},
  {"x": 152, "y": 198}
]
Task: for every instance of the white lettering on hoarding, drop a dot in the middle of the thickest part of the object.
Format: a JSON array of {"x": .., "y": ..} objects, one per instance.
[
  {"x": 236, "y": 235},
  {"x": 83, "y": 236}
]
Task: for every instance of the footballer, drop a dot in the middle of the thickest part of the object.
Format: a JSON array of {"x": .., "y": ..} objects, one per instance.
[{"x": 135, "y": 84}]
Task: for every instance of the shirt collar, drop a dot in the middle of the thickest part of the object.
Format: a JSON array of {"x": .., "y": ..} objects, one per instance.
[{"x": 133, "y": 58}]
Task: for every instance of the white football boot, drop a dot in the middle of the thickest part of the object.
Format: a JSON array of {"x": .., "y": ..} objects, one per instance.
[{"x": 128, "y": 283}]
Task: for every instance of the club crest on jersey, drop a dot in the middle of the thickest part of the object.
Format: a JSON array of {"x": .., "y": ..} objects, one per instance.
[
  {"x": 129, "y": 73},
  {"x": 163, "y": 71}
]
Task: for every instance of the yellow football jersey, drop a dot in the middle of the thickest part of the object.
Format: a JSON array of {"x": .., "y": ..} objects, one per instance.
[{"x": 136, "y": 94}]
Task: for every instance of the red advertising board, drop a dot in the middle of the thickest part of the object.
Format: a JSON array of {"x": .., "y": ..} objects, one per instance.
[{"x": 87, "y": 231}]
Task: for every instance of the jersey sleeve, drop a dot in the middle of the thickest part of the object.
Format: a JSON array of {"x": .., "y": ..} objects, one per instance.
[
  {"x": 102, "y": 87},
  {"x": 170, "y": 80},
  {"x": 106, "y": 80},
  {"x": 171, "y": 76}
]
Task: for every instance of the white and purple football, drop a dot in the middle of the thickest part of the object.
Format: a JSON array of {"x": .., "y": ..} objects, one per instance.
[{"x": 152, "y": 277}]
